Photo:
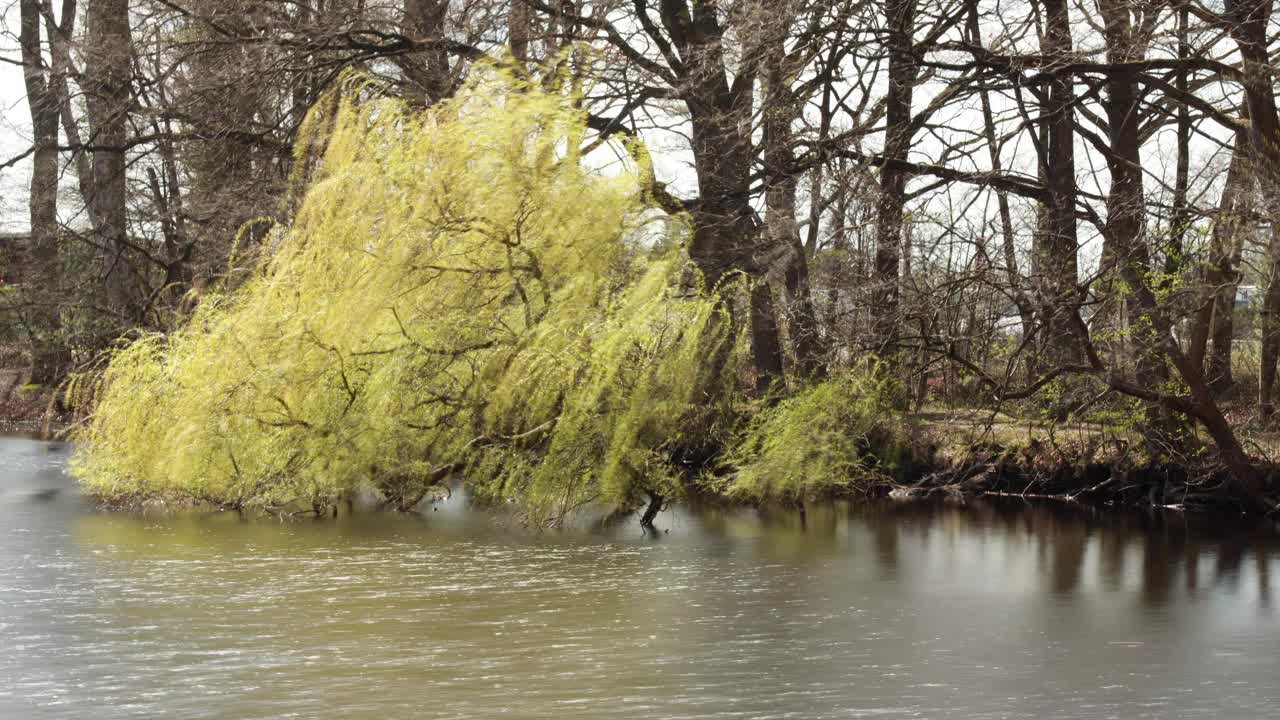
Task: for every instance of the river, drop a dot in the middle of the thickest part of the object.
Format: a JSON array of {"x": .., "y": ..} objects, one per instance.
[{"x": 980, "y": 610}]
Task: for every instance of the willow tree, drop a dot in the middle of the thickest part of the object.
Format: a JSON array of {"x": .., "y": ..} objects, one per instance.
[{"x": 457, "y": 290}]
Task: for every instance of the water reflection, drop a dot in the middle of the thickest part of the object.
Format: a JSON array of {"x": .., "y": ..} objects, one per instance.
[
  {"x": 974, "y": 610},
  {"x": 1073, "y": 546}
]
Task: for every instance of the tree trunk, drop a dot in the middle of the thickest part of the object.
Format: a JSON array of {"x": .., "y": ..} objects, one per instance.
[
  {"x": 1180, "y": 218},
  {"x": 108, "y": 94},
  {"x": 781, "y": 227},
  {"x": 839, "y": 272},
  {"x": 724, "y": 229},
  {"x": 1057, "y": 265},
  {"x": 427, "y": 70},
  {"x": 60, "y": 39},
  {"x": 766, "y": 348},
  {"x": 43, "y": 276},
  {"x": 1244, "y": 475},
  {"x": 726, "y": 236},
  {"x": 518, "y": 33},
  {"x": 651, "y": 511},
  {"x": 900, "y": 16},
  {"x": 1248, "y": 26},
  {"x": 1213, "y": 321},
  {"x": 1149, "y": 319},
  {"x": 1270, "y": 321},
  {"x": 1126, "y": 203}
]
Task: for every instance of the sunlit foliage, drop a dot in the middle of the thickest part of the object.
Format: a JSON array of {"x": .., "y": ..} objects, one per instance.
[
  {"x": 457, "y": 290},
  {"x": 833, "y": 435}
]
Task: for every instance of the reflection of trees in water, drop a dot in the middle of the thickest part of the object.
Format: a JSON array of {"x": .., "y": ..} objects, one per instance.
[
  {"x": 1163, "y": 548},
  {"x": 1264, "y": 578},
  {"x": 1159, "y": 563},
  {"x": 1227, "y": 564},
  {"x": 1070, "y": 547},
  {"x": 1069, "y": 540},
  {"x": 1111, "y": 547},
  {"x": 1156, "y": 556},
  {"x": 886, "y": 535},
  {"x": 1191, "y": 565},
  {"x": 1170, "y": 544}
]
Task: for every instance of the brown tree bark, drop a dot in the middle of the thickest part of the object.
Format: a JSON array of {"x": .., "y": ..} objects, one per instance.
[
  {"x": 43, "y": 276},
  {"x": 1212, "y": 325},
  {"x": 1270, "y": 320},
  {"x": 766, "y": 349},
  {"x": 108, "y": 95},
  {"x": 779, "y": 111},
  {"x": 696, "y": 44},
  {"x": 1149, "y": 320},
  {"x": 1180, "y": 217},
  {"x": 1126, "y": 203},
  {"x": 726, "y": 235},
  {"x": 900, "y": 18},
  {"x": 60, "y": 40},
  {"x": 519, "y": 31},
  {"x": 1056, "y": 264},
  {"x": 429, "y": 77},
  {"x": 1248, "y": 20}
]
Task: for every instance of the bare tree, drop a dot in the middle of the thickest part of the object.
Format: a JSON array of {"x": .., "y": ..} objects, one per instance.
[
  {"x": 109, "y": 96},
  {"x": 44, "y": 277}
]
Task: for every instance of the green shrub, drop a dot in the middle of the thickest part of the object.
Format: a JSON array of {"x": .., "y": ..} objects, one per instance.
[{"x": 837, "y": 434}]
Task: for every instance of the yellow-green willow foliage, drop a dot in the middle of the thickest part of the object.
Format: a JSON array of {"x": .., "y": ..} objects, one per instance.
[
  {"x": 456, "y": 289},
  {"x": 838, "y": 434}
]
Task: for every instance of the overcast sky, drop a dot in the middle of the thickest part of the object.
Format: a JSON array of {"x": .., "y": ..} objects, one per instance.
[{"x": 15, "y": 133}]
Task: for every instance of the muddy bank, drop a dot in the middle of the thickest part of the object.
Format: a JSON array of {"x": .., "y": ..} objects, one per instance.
[
  {"x": 973, "y": 455},
  {"x": 30, "y": 409},
  {"x": 1158, "y": 485}
]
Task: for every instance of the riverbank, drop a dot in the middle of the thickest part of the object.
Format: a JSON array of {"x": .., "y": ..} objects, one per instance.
[
  {"x": 958, "y": 456},
  {"x": 27, "y": 408},
  {"x": 971, "y": 453},
  {"x": 956, "y": 453}
]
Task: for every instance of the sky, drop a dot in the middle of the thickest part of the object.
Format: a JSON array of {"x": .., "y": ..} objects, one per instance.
[{"x": 15, "y": 131}]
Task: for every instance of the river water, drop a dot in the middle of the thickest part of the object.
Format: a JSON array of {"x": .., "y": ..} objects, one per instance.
[{"x": 982, "y": 610}]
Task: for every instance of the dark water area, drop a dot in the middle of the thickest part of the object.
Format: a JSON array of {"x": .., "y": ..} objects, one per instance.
[{"x": 980, "y": 610}]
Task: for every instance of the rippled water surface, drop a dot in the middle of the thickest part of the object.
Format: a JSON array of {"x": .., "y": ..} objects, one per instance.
[{"x": 976, "y": 611}]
